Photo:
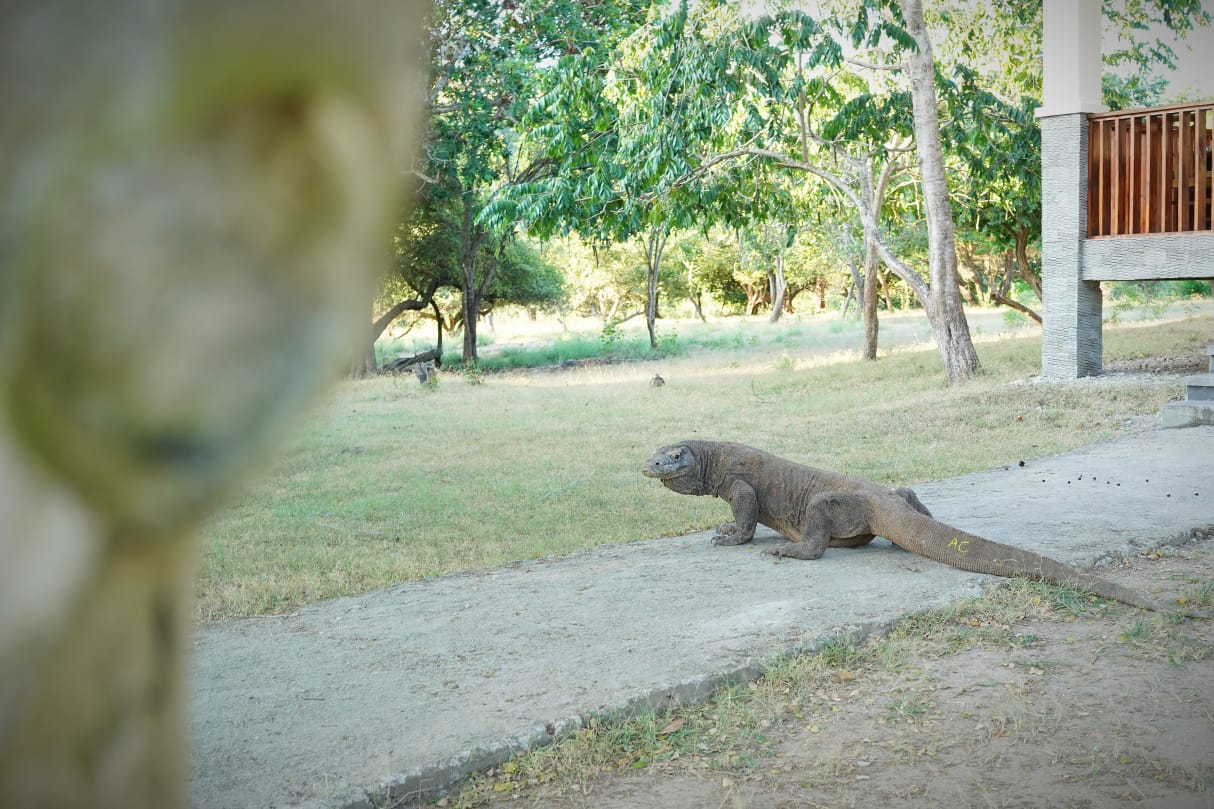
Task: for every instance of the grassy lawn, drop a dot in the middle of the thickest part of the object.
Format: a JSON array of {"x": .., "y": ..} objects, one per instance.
[{"x": 391, "y": 482}]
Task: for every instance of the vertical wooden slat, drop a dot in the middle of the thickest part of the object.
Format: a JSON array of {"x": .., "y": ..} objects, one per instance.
[
  {"x": 1116, "y": 146},
  {"x": 1135, "y": 174},
  {"x": 1202, "y": 170},
  {"x": 1173, "y": 171},
  {"x": 1159, "y": 175},
  {"x": 1125, "y": 131},
  {"x": 1095, "y": 192},
  {"x": 1184, "y": 172},
  {"x": 1137, "y": 178},
  {"x": 1093, "y": 176},
  {"x": 1096, "y": 156},
  {"x": 1125, "y": 134},
  {"x": 1106, "y": 166}
]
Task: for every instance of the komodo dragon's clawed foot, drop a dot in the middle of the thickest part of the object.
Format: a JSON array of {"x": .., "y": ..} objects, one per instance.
[
  {"x": 728, "y": 534},
  {"x": 796, "y": 550}
]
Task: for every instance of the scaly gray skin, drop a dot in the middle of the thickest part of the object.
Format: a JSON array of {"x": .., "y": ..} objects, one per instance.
[{"x": 817, "y": 509}]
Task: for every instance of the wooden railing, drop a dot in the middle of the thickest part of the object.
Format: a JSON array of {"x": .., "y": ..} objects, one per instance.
[{"x": 1149, "y": 170}]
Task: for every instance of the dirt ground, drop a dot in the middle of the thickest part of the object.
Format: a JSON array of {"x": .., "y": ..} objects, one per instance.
[{"x": 1110, "y": 708}]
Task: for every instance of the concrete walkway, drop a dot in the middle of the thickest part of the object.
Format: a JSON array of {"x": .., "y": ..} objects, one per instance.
[{"x": 356, "y": 701}]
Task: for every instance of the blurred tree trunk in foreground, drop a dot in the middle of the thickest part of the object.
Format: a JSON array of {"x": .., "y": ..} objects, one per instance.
[{"x": 195, "y": 197}]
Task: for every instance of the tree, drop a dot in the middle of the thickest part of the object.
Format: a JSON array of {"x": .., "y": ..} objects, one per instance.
[
  {"x": 173, "y": 247},
  {"x": 424, "y": 248},
  {"x": 947, "y": 316},
  {"x": 622, "y": 131},
  {"x": 524, "y": 278},
  {"x": 803, "y": 119},
  {"x": 489, "y": 62}
]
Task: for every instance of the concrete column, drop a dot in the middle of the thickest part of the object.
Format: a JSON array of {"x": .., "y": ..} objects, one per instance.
[
  {"x": 1071, "y": 338},
  {"x": 1070, "y": 51}
]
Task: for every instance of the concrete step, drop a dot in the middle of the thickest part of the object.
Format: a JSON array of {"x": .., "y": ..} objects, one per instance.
[
  {"x": 1187, "y": 414},
  {"x": 1200, "y": 388},
  {"x": 1198, "y": 406}
]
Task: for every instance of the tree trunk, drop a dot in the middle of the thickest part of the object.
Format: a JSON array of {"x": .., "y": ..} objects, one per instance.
[
  {"x": 694, "y": 295},
  {"x": 363, "y": 364},
  {"x": 470, "y": 243},
  {"x": 868, "y": 297},
  {"x": 468, "y": 307},
  {"x": 870, "y": 289},
  {"x": 778, "y": 289},
  {"x": 1022, "y": 262},
  {"x": 945, "y": 312},
  {"x": 754, "y": 297},
  {"x": 472, "y": 240},
  {"x": 857, "y": 286},
  {"x": 697, "y": 304},
  {"x": 967, "y": 286},
  {"x": 438, "y": 319},
  {"x": 362, "y": 361},
  {"x": 655, "y": 243}
]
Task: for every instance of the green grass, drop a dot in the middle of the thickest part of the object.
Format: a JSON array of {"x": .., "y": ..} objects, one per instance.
[{"x": 390, "y": 482}]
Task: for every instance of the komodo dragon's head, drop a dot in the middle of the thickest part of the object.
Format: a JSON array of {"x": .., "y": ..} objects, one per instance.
[{"x": 677, "y": 466}]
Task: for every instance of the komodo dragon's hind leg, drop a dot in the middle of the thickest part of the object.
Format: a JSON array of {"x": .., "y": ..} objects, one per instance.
[
  {"x": 912, "y": 500},
  {"x": 830, "y": 514},
  {"x": 858, "y": 540}
]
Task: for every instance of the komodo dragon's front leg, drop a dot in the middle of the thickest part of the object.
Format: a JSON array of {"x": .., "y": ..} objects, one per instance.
[{"x": 745, "y": 506}]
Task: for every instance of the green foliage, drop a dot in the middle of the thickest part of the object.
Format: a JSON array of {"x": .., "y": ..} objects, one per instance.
[
  {"x": 1129, "y": 92},
  {"x": 611, "y": 334},
  {"x": 473, "y": 373},
  {"x": 488, "y": 64},
  {"x": 630, "y": 122},
  {"x": 840, "y": 652},
  {"x": 1150, "y": 299},
  {"x": 525, "y": 278}
]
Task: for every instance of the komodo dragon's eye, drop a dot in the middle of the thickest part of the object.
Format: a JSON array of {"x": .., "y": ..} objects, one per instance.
[{"x": 676, "y": 454}]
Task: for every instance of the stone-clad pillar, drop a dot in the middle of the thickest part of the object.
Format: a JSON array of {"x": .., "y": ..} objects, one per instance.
[{"x": 1071, "y": 341}]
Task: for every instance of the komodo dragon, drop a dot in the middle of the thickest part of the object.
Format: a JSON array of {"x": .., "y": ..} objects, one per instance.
[{"x": 817, "y": 508}]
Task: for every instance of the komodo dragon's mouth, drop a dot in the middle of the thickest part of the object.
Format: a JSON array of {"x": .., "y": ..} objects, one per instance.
[{"x": 654, "y": 470}]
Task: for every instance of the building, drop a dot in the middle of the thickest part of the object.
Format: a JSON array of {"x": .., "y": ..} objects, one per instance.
[{"x": 1126, "y": 196}]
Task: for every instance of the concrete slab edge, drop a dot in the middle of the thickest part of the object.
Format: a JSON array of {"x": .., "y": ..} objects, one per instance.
[{"x": 413, "y": 787}]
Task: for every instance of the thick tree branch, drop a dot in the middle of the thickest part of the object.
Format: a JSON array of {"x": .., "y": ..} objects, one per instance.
[
  {"x": 1015, "y": 304},
  {"x": 409, "y": 305},
  {"x": 872, "y": 66}
]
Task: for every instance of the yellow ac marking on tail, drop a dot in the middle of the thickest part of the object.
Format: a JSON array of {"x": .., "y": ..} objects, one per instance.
[{"x": 960, "y": 545}]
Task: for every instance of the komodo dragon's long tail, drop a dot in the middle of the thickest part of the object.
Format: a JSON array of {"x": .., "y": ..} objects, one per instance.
[{"x": 933, "y": 539}]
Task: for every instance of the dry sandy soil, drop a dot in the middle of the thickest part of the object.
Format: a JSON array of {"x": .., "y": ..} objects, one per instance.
[{"x": 1110, "y": 708}]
